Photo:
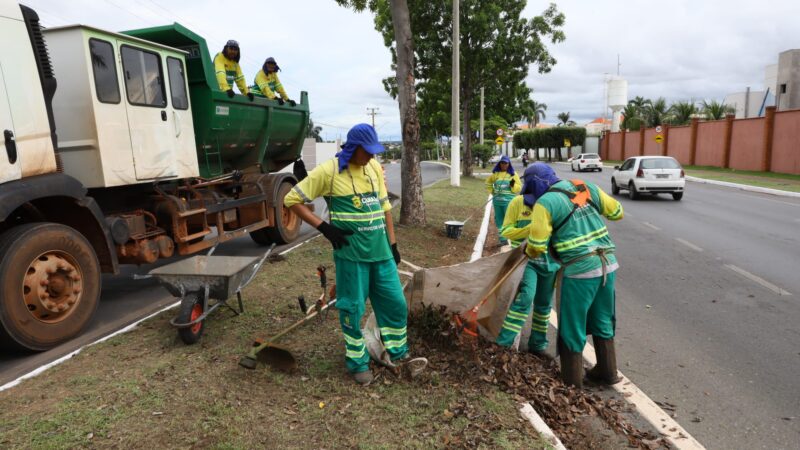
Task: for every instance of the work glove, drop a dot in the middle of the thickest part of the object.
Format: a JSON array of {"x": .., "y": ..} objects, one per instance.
[
  {"x": 337, "y": 236},
  {"x": 292, "y": 102},
  {"x": 396, "y": 254},
  {"x": 230, "y": 93},
  {"x": 251, "y": 96},
  {"x": 512, "y": 182},
  {"x": 280, "y": 100}
]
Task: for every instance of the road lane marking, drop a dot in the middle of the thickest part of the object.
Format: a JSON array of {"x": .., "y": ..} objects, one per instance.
[
  {"x": 650, "y": 225},
  {"x": 645, "y": 406},
  {"x": 758, "y": 280},
  {"x": 689, "y": 244}
]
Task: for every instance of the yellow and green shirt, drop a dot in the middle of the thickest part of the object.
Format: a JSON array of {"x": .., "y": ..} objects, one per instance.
[
  {"x": 357, "y": 200},
  {"x": 268, "y": 85},
  {"x": 582, "y": 234},
  {"x": 516, "y": 227},
  {"x": 499, "y": 185},
  {"x": 228, "y": 72}
]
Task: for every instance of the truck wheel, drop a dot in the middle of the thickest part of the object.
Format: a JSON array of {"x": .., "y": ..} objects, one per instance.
[
  {"x": 49, "y": 285},
  {"x": 287, "y": 226}
]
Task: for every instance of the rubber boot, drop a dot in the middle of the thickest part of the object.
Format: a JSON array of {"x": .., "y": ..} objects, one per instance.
[
  {"x": 605, "y": 371},
  {"x": 571, "y": 366},
  {"x": 363, "y": 378}
]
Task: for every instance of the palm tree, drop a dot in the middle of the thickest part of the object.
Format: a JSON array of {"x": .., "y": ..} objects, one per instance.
[
  {"x": 535, "y": 112},
  {"x": 656, "y": 112},
  {"x": 564, "y": 118},
  {"x": 717, "y": 110},
  {"x": 639, "y": 102},
  {"x": 631, "y": 119},
  {"x": 681, "y": 112}
]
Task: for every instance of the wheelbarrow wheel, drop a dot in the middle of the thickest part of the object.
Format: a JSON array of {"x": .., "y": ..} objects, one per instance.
[{"x": 191, "y": 309}]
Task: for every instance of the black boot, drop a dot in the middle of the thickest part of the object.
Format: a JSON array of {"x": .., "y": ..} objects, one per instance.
[
  {"x": 605, "y": 371},
  {"x": 571, "y": 365}
]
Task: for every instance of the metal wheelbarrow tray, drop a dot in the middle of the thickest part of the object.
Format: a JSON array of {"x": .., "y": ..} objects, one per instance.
[{"x": 199, "y": 279}]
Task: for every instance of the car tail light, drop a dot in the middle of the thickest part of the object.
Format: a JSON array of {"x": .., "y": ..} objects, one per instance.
[
  {"x": 683, "y": 174},
  {"x": 640, "y": 173},
  {"x": 583, "y": 160}
]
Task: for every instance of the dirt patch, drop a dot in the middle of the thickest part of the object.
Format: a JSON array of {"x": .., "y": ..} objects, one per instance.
[{"x": 582, "y": 420}]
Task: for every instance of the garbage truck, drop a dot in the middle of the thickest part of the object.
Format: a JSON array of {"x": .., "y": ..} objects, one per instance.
[{"x": 120, "y": 148}]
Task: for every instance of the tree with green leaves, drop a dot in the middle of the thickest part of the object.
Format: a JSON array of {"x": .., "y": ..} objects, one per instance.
[
  {"x": 681, "y": 113},
  {"x": 564, "y": 118},
  {"x": 396, "y": 28},
  {"x": 314, "y": 131},
  {"x": 714, "y": 110},
  {"x": 535, "y": 112},
  {"x": 656, "y": 112},
  {"x": 497, "y": 47}
]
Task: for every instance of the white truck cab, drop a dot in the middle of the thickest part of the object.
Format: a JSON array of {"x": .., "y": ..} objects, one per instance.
[{"x": 26, "y": 144}]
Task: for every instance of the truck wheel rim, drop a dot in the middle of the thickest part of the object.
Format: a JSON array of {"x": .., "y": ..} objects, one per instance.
[
  {"x": 197, "y": 311},
  {"x": 52, "y": 287},
  {"x": 289, "y": 219}
]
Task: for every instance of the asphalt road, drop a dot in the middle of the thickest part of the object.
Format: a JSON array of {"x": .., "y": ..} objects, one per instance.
[
  {"x": 717, "y": 343},
  {"x": 125, "y": 300}
]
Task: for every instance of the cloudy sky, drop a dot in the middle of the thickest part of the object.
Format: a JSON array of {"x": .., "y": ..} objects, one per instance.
[{"x": 681, "y": 50}]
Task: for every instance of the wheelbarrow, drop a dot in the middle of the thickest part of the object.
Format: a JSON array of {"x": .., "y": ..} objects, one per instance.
[{"x": 204, "y": 283}]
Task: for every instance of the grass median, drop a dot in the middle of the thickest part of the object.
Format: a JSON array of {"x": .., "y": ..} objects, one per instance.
[{"x": 147, "y": 389}]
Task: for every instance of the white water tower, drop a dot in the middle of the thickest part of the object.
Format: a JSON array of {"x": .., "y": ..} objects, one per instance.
[{"x": 617, "y": 98}]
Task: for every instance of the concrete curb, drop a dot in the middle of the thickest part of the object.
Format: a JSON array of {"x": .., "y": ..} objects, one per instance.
[
  {"x": 527, "y": 412},
  {"x": 745, "y": 187}
]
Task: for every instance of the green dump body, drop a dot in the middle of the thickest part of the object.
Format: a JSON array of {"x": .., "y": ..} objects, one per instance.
[{"x": 233, "y": 133}]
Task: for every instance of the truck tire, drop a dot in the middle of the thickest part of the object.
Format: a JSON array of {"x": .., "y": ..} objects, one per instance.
[
  {"x": 287, "y": 226},
  {"x": 49, "y": 285}
]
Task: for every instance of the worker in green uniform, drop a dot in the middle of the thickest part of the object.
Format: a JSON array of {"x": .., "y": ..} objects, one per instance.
[
  {"x": 567, "y": 221},
  {"x": 538, "y": 279},
  {"x": 364, "y": 246},
  {"x": 267, "y": 83},
  {"x": 228, "y": 71},
  {"x": 503, "y": 184}
]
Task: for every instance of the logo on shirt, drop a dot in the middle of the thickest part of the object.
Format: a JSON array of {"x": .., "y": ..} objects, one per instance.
[{"x": 526, "y": 213}]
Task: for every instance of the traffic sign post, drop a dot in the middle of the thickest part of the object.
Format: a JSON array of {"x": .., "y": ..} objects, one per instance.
[
  {"x": 659, "y": 139},
  {"x": 567, "y": 143},
  {"x": 499, "y": 131},
  {"x": 499, "y": 141}
]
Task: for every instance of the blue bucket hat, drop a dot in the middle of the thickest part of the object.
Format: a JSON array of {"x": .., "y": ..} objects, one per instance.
[
  {"x": 504, "y": 159},
  {"x": 536, "y": 180},
  {"x": 361, "y": 135}
]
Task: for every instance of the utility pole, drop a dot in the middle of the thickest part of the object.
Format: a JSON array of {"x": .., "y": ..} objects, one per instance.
[
  {"x": 482, "y": 115},
  {"x": 373, "y": 112},
  {"x": 455, "y": 145}
]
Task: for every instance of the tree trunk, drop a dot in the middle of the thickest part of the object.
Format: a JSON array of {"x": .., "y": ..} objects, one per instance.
[
  {"x": 412, "y": 208},
  {"x": 466, "y": 138}
]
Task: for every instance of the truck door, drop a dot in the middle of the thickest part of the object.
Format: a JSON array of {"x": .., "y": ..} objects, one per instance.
[
  {"x": 152, "y": 128},
  {"x": 183, "y": 129},
  {"x": 9, "y": 167}
]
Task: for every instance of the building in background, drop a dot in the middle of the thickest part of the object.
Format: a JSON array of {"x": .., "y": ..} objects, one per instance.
[{"x": 788, "y": 80}]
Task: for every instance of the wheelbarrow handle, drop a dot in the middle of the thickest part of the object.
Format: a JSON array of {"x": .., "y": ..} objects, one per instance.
[{"x": 257, "y": 267}]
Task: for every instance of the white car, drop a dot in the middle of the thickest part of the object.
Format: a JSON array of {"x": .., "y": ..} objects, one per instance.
[
  {"x": 649, "y": 175},
  {"x": 586, "y": 161}
]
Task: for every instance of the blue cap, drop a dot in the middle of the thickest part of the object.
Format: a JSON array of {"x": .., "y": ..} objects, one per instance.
[{"x": 361, "y": 135}]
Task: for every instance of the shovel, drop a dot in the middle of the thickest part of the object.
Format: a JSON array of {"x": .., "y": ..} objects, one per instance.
[{"x": 278, "y": 356}]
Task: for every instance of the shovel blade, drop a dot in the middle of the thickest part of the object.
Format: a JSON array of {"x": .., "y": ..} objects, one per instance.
[{"x": 277, "y": 357}]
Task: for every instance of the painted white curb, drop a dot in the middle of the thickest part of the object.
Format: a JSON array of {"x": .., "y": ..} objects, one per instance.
[
  {"x": 477, "y": 250},
  {"x": 527, "y": 411},
  {"x": 745, "y": 187}
]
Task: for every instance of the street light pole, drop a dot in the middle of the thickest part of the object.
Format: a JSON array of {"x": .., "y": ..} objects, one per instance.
[
  {"x": 481, "y": 116},
  {"x": 455, "y": 145}
]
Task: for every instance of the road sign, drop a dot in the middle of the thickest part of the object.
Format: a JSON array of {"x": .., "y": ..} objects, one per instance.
[
  {"x": 499, "y": 141},
  {"x": 658, "y": 129},
  {"x": 499, "y": 131},
  {"x": 567, "y": 143},
  {"x": 659, "y": 138}
]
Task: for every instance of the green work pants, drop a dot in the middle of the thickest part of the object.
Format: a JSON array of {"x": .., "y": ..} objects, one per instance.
[
  {"x": 355, "y": 281},
  {"x": 536, "y": 288},
  {"x": 500, "y": 207},
  {"x": 586, "y": 307}
]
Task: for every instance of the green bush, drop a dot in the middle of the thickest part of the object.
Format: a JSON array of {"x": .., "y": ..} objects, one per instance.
[
  {"x": 549, "y": 137},
  {"x": 483, "y": 152}
]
